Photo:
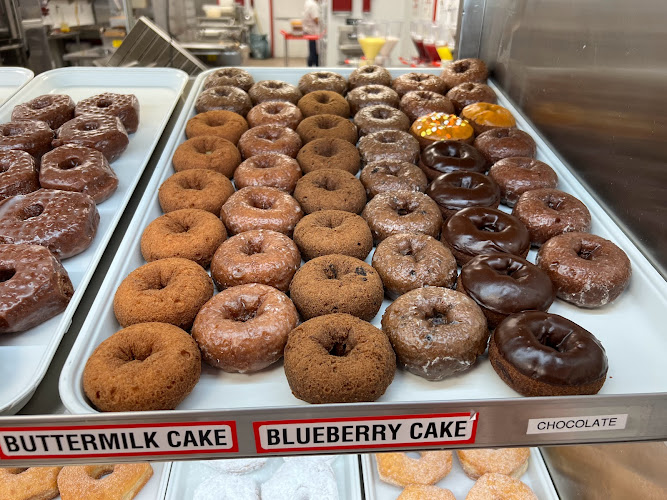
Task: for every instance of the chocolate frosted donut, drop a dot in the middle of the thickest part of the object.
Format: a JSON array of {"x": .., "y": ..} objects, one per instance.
[
  {"x": 382, "y": 176},
  {"x": 502, "y": 143},
  {"x": 435, "y": 332},
  {"x": 273, "y": 90},
  {"x": 541, "y": 354},
  {"x": 244, "y": 329},
  {"x": 418, "y": 103},
  {"x": 34, "y": 286},
  {"x": 479, "y": 230},
  {"x": 268, "y": 169},
  {"x": 389, "y": 145},
  {"x": 330, "y": 189},
  {"x": 32, "y": 136},
  {"x": 123, "y": 106},
  {"x": 418, "y": 81},
  {"x": 258, "y": 256},
  {"x": 396, "y": 212},
  {"x": 77, "y": 168},
  {"x": 195, "y": 188},
  {"x": 327, "y": 232},
  {"x": 458, "y": 190},
  {"x": 207, "y": 152},
  {"x": 324, "y": 102},
  {"x": 407, "y": 261},
  {"x": 380, "y": 117},
  {"x": 369, "y": 75},
  {"x": 225, "y": 97},
  {"x": 327, "y": 126},
  {"x": 484, "y": 116},
  {"x": 105, "y": 133},
  {"x": 464, "y": 70},
  {"x": 282, "y": 113},
  {"x": 53, "y": 109},
  {"x": 549, "y": 212},
  {"x": 337, "y": 283},
  {"x": 504, "y": 284},
  {"x": 338, "y": 358},
  {"x": 371, "y": 95},
  {"x": 269, "y": 139},
  {"x": 468, "y": 93},
  {"x": 322, "y": 80},
  {"x": 18, "y": 174},
  {"x": 259, "y": 207},
  {"x": 516, "y": 175},
  {"x": 329, "y": 153},
  {"x": 235, "y": 77},
  {"x": 65, "y": 222},
  {"x": 586, "y": 270},
  {"x": 220, "y": 123}
]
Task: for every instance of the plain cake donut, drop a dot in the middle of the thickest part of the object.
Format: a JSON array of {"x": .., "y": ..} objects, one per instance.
[
  {"x": 269, "y": 139},
  {"x": 401, "y": 470},
  {"x": 324, "y": 102},
  {"x": 330, "y": 189},
  {"x": 329, "y": 153},
  {"x": 282, "y": 113},
  {"x": 219, "y": 123},
  {"x": 386, "y": 175},
  {"x": 54, "y": 109},
  {"x": 268, "y": 169},
  {"x": 207, "y": 152},
  {"x": 327, "y": 232},
  {"x": 327, "y": 126},
  {"x": 103, "y": 482},
  {"x": 516, "y": 175},
  {"x": 195, "y": 188}
]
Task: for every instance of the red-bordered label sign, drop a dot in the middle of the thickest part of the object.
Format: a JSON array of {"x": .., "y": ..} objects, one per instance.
[
  {"x": 365, "y": 432},
  {"x": 135, "y": 440}
]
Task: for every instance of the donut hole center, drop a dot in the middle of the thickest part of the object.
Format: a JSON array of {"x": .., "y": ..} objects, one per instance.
[
  {"x": 373, "y": 91},
  {"x": 104, "y": 103},
  {"x": 340, "y": 349},
  {"x": 101, "y": 472},
  {"x": 403, "y": 208},
  {"x": 554, "y": 203},
  {"x": 31, "y": 212},
  {"x": 326, "y": 184},
  {"x": 384, "y": 139},
  {"x": 468, "y": 86},
  {"x": 500, "y": 133},
  {"x": 326, "y": 124},
  {"x": 331, "y": 272},
  {"x": 509, "y": 270},
  {"x": 425, "y": 96},
  {"x": 193, "y": 184},
  {"x": 408, "y": 248},
  {"x": 322, "y": 98},
  {"x": 269, "y": 135},
  {"x": 273, "y": 109},
  {"x": 6, "y": 274},
  {"x": 273, "y": 85},
  {"x": 368, "y": 70},
  {"x": 89, "y": 126},
  {"x": 134, "y": 354},
  {"x": 252, "y": 247},
  {"x": 437, "y": 315},
  {"x": 332, "y": 222},
  {"x": 16, "y": 470},
  {"x": 381, "y": 114},
  {"x": 220, "y": 92},
  {"x": 179, "y": 227},
  {"x": 40, "y": 104},
  {"x": 463, "y": 182},
  {"x": 327, "y": 151},
  {"x": 461, "y": 67},
  {"x": 69, "y": 163},
  {"x": 322, "y": 76},
  {"x": 588, "y": 251},
  {"x": 243, "y": 313},
  {"x": 261, "y": 203}
]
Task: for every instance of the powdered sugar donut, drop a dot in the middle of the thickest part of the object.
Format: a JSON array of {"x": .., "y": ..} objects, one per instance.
[
  {"x": 327, "y": 459},
  {"x": 227, "y": 487},
  {"x": 237, "y": 465},
  {"x": 303, "y": 480}
]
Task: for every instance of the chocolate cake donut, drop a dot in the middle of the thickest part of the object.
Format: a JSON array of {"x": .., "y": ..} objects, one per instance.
[
  {"x": 418, "y": 81},
  {"x": 219, "y": 123},
  {"x": 371, "y": 95},
  {"x": 502, "y": 143},
  {"x": 327, "y": 232},
  {"x": 389, "y": 145},
  {"x": 468, "y": 93},
  {"x": 369, "y": 75},
  {"x": 329, "y": 153},
  {"x": 380, "y": 117},
  {"x": 123, "y": 106},
  {"x": 18, "y": 174},
  {"x": 103, "y": 132},
  {"x": 268, "y": 169},
  {"x": 32, "y": 136},
  {"x": 195, "y": 188},
  {"x": 226, "y": 97},
  {"x": 322, "y": 80},
  {"x": 418, "y": 103},
  {"x": 458, "y": 190},
  {"x": 386, "y": 175},
  {"x": 330, "y": 189},
  {"x": 324, "y": 102},
  {"x": 235, "y": 77},
  {"x": 273, "y": 90},
  {"x": 269, "y": 139},
  {"x": 53, "y": 109},
  {"x": 464, "y": 70},
  {"x": 281, "y": 113},
  {"x": 516, "y": 175},
  {"x": 207, "y": 152},
  {"x": 327, "y": 126}
]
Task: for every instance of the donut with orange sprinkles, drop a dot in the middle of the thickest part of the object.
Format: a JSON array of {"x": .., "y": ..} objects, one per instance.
[{"x": 441, "y": 126}]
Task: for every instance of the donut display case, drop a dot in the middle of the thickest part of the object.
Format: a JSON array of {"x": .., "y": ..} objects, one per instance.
[{"x": 12, "y": 80}]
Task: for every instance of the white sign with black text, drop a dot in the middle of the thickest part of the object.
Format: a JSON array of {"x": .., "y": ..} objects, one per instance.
[{"x": 577, "y": 424}]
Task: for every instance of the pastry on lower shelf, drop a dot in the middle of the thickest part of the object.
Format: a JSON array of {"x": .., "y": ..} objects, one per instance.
[
  {"x": 103, "y": 482},
  {"x": 401, "y": 470},
  {"x": 301, "y": 479},
  {"x": 236, "y": 465},
  {"x": 423, "y": 492},
  {"x": 38, "y": 483},
  {"x": 227, "y": 487},
  {"x": 510, "y": 461},
  {"x": 500, "y": 486}
]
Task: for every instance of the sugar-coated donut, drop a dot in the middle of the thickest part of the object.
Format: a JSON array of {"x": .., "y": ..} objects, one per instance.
[
  {"x": 123, "y": 106},
  {"x": 305, "y": 481},
  {"x": 484, "y": 116},
  {"x": 223, "y": 97},
  {"x": 18, "y": 174},
  {"x": 380, "y": 117},
  {"x": 330, "y": 126},
  {"x": 500, "y": 143},
  {"x": 516, "y": 175},
  {"x": 282, "y": 113},
  {"x": 389, "y": 145},
  {"x": 269, "y": 139},
  {"x": 105, "y": 133},
  {"x": 168, "y": 369},
  {"x": 330, "y": 189},
  {"x": 458, "y": 190},
  {"x": 324, "y": 102},
  {"x": 386, "y": 175},
  {"x": 226, "y": 487},
  {"x": 469, "y": 93},
  {"x": 208, "y": 152},
  {"x": 500, "y": 486},
  {"x": 236, "y": 465},
  {"x": 401, "y": 470},
  {"x": 273, "y": 90},
  {"x": 220, "y": 123},
  {"x": 329, "y": 152},
  {"x": 418, "y": 81},
  {"x": 54, "y": 109},
  {"x": 418, "y": 103},
  {"x": 103, "y": 482},
  {"x": 322, "y": 80},
  {"x": 327, "y": 232},
  {"x": 270, "y": 170},
  {"x": 464, "y": 70},
  {"x": 32, "y": 136},
  {"x": 236, "y": 77},
  {"x": 510, "y": 461},
  {"x": 34, "y": 483},
  {"x": 371, "y": 95},
  {"x": 425, "y": 492},
  {"x": 369, "y": 75},
  {"x": 195, "y": 188}
]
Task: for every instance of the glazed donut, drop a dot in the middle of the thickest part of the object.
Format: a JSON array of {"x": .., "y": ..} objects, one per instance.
[
  {"x": 380, "y": 117},
  {"x": 516, "y": 175},
  {"x": 207, "y": 152},
  {"x": 401, "y": 470},
  {"x": 327, "y": 232},
  {"x": 407, "y": 261},
  {"x": 502, "y": 143},
  {"x": 65, "y": 222},
  {"x": 418, "y": 81},
  {"x": 18, "y": 174},
  {"x": 101, "y": 482},
  {"x": 169, "y": 369},
  {"x": 236, "y": 465},
  {"x": 235, "y": 77},
  {"x": 382, "y": 176},
  {"x": 329, "y": 153},
  {"x": 418, "y": 103},
  {"x": 166, "y": 291},
  {"x": 80, "y": 169},
  {"x": 389, "y": 145},
  {"x": 484, "y": 116},
  {"x": 281, "y": 113},
  {"x": 269, "y": 139},
  {"x": 268, "y": 169},
  {"x": 53, "y": 109},
  {"x": 369, "y": 75},
  {"x": 435, "y": 332},
  {"x": 550, "y": 212},
  {"x": 39, "y": 483},
  {"x": 327, "y": 126},
  {"x": 500, "y": 486},
  {"x": 338, "y": 358},
  {"x": 330, "y": 189},
  {"x": 587, "y": 270},
  {"x": 322, "y": 80},
  {"x": 444, "y": 157},
  {"x": 502, "y": 284},
  {"x": 510, "y": 461},
  {"x": 463, "y": 71},
  {"x": 105, "y": 133},
  {"x": 458, "y": 190},
  {"x": 324, "y": 102},
  {"x": 436, "y": 127},
  {"x": 188, "y": 233},
  {"x": 480, "y": 230},
  {"x": 396, "y": 212},
  {"x": 423, "y": 492},
  {"x": 195, "y": 188},
  {"x": 371, "y": 95},
  {"x": 258, "y": 256},
  {"x": 226, "y": 487},
  {"x": 468, "y": 93},
  {"x": 32, "y": 136},
  {"x": 244, "y": 329},
  {"x": 123, "y": 106},
  {"x": 219, "y": 123},
  {"x": 305, "y": 481},
  {"x": 541, "y": 354},
  {"x": 273, "y": 90},
  {"x": 224, "y": 97},
  {"x": 260, "y": 207}
]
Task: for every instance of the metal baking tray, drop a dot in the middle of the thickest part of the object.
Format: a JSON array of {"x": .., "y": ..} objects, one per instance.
[
  {"x": 12, "y": 80},
  {"x": 25, "y": 356}
]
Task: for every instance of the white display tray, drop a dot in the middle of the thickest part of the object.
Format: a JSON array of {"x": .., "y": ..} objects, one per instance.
[
  {"x": 635, "y": 364},
  {"x": 186, "y": 476},
  {"x": 536, "y": 477},
  {"x": 25, "y": 356},
  {"x": 12, "y": 80}
]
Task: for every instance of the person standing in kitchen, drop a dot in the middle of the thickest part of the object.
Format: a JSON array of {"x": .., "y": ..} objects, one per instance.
[{"x": 311, "y": 26}]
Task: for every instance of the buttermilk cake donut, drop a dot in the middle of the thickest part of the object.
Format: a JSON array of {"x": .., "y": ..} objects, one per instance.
[
  {"x": 386, "y": 175},
  {"x": 500, "y": 486},
  {"x": 389, "y": 145},
  {"x": 371, "y": 95},
  {"x": 269, "y": 139},
  {"x": 270, "y": 170},
  {"x": 510, "y": 461},
  {"x": 168, "y": 290},
  {"x": 53, "y": 109},
  {"x": 327, "y": 126},
  {"x": 425, "y": 492},
  {"x": 170, "y": 366},
  {"x": 282, "y": 113},
  {"x": 330, "y": 189},
  {"x": 417, "y": 103},
  {"x": 227, "y": 487},
  {"x": 302, "y": 480},
  {"x": 458, "y": 190},
  {"x": 329, "y": 153},
  {"x": 224, "y": 97},
  {"x": 418, "y": 81},
  {"x": 338, "y": 358},
  {"x": 401, "y": 470},
  {"x": 464, "y": 70},
  {"x": 324, "y": 102},
  {"x": 380, "y": 117},
  {"x": 468, "y": 93},
  {"x": 327, "y": 232},
  {"x": 123, "y": 106},
  {"x": 444, "y": 157},
  {"x": 516, "y": 175},
  {"x": 92, "y": 482},
  {"x": 39, "y": 483},
  {"x": 18, "y": 174},
  {"x": 273, "y": 90},
  {"x": 32, "y": 136},
  {"x": 219, "y": 123},
  {"x": 207, "y": 152},
  {"x": 105, "y": 133},
  {"x": 195, "y": 188},
  {"x": 322, "y": 80},
  {"x": 369, "y": 75},
  {"x": 500, "y": 143},
  {"x": 236, "y": 77}
]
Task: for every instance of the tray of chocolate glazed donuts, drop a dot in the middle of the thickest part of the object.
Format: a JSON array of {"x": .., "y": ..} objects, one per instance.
[
  {"x": 12, "y": 80},
  {"x": 26, "y": 353},
  {"x": 637, "y": 309}
]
